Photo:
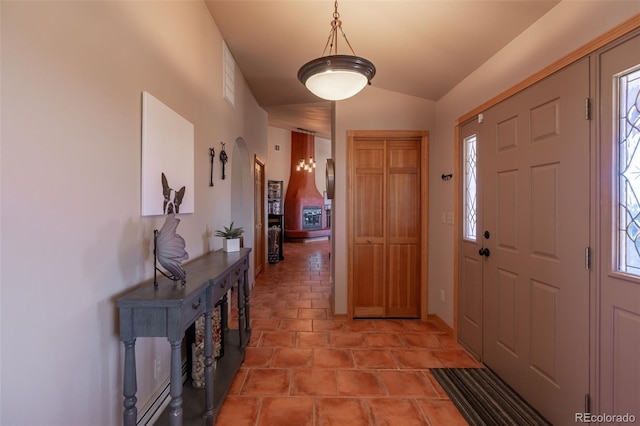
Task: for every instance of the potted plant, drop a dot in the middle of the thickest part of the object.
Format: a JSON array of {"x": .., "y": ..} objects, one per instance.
[{"x": 231, "y": 235}]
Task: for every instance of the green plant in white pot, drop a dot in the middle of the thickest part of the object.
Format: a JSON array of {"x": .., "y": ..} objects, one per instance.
[{"x": 231, "y": 235}]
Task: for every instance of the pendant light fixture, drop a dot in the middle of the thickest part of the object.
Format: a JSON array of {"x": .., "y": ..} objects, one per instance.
[{"x": 336, "y": 77}]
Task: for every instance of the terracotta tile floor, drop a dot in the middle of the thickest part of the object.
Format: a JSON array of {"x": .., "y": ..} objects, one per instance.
[{"x": 303, "y": 367}]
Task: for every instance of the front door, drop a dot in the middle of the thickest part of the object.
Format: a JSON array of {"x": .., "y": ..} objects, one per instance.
[
  {"x": 533, "y": 237},
  {"x": 619, "y": 349}
]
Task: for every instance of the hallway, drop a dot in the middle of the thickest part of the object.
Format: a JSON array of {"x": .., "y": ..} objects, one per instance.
[{"x": 303, "y": 367}]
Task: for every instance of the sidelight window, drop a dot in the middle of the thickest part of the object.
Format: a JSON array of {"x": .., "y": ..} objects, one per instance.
[
  {"x": 628, "y": 135},
  {"x": 470, "y": 193}
]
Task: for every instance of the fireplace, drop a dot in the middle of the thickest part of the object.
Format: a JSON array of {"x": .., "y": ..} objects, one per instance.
[
  {"x": 311, "y": 217},
  {"x": 304, "y": 205}
]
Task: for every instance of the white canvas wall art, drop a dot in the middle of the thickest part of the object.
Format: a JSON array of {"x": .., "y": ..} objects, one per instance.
[{"x": 167, "y": 160}]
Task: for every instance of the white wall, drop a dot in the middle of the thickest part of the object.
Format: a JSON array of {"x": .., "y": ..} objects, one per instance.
[
  {"x": 279, "y": 161},
  {"x": 565, "y": 28},
  {"x": 72, "y": 236}
]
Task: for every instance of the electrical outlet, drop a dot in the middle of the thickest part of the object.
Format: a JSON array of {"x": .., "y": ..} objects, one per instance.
[
  {"x": 442, "y": 295},
  {"x": 156, "y": 367}
]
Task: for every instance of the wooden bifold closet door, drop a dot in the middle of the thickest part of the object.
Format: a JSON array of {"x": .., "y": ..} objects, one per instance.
[{"x": 386, "y": 224}]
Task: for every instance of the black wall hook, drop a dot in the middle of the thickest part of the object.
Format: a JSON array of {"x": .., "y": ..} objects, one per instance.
[
  {"x": 447, "y": 177},
  {"x": 212, "y": 153}
]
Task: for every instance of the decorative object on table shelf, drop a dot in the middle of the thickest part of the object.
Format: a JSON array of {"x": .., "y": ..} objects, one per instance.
[
  {"x": 223, "y": 159},
  {"x": 169, "y": 251},
  {"x": 231, "y": 237},
  {"x": 197, "y": 348},
  {"x": 212, "y": 153}
]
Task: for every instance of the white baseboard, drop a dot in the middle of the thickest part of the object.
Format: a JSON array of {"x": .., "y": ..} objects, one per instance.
[{"x": 158, "y": 402}]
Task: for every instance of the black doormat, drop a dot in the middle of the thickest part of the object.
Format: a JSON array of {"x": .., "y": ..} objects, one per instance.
[{"x": 484, "y": 399}]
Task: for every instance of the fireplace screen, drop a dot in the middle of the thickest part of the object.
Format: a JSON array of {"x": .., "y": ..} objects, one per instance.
[{"x": 312, "y": 217}]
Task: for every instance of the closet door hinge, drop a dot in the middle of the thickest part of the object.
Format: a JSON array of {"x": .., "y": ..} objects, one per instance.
[
  {"x": 587, "y": 403},
  {"x": 587, "y": 257},
  {"x": 587, "y": 109}
]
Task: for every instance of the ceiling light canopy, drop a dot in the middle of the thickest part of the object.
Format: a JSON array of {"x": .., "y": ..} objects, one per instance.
[{"x": 336, "y": 77}]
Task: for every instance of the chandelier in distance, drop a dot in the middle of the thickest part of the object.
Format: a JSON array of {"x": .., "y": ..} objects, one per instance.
[
  {"x": 307, "y": 166},
  {"x": 336, "y": 77}
]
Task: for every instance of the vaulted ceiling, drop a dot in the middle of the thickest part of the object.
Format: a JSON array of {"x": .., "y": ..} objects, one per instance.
[{"x": 420, "y": 48}]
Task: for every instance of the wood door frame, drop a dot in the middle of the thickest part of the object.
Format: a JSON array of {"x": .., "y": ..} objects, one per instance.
[
  {"x": 424, "y": 207},
  {"x": 263, "y": 208},
  {"x": 582, "y": 52}
]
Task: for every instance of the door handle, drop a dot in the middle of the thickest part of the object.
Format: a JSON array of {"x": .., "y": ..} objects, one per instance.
[{"x": 484, "y": 252}]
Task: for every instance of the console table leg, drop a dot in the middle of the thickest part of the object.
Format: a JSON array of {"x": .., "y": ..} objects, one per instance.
[
  {"x": 175, "y": 411},
  {"x": 224, "y": 323},
  {"x": 224, "y": 313},
  {"x": 247, "y": 292},
  {"x": 208, "y": 365},
  {"x": 130, "y": 413},
  {"x": 241, "y": 312}
]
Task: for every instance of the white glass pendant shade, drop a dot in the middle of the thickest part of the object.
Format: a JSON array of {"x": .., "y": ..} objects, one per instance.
[
  {"x": 336, "y": 77},
  {"x": 336, "y": 85}
]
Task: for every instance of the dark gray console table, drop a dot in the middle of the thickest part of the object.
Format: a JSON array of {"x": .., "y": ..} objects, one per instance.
[{"x": 169, "y": 309}]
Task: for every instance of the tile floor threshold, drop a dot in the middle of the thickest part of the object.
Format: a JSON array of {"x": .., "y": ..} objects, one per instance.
[{"x": 303, "y": 367}]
